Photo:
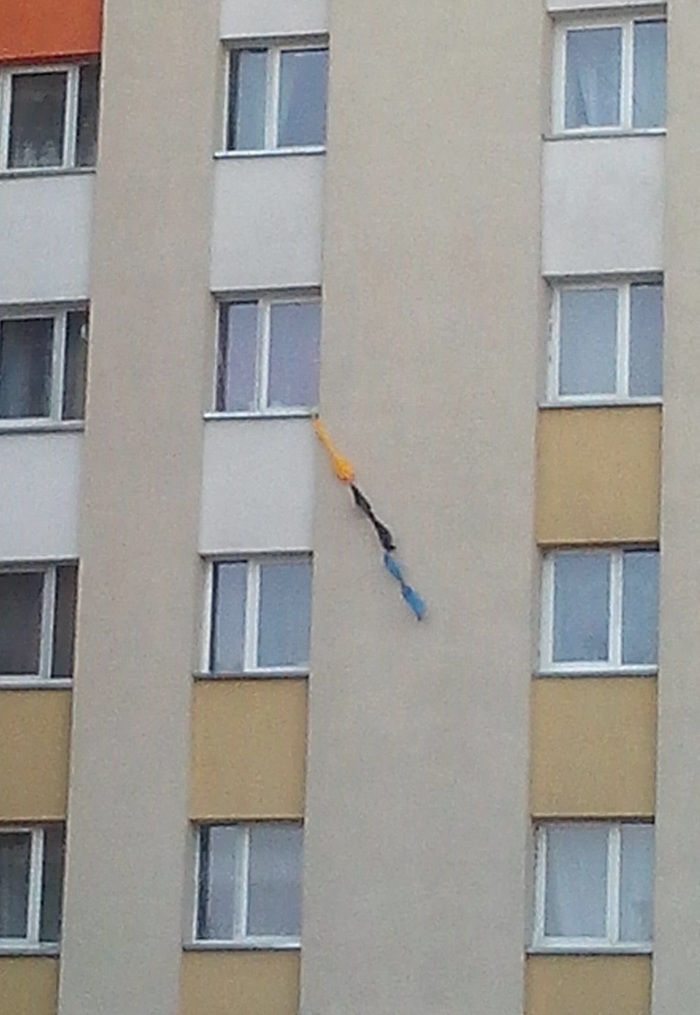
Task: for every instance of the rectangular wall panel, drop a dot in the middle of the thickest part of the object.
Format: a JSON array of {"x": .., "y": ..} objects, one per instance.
[
  {"x": 49, "y": 29},
  {"x": 240, "y": 983},
  {"x": 257, "y": 490},
  {"x": 676, "y": 968},
  {"x": 603, "y": 205},
  {"x": 34, "y": 745},
  {"x": 41, "y": 495},
  {"x": 598, "y": 475},
  {"x": 251, "y": 18},
  {"x": 248, "y": 749},
  {"x": 267, "y": 222},
  {"x": 593, "y": 748},
  {"x": 582, "y": 985},
  {"x": 45, "y": 224},
  {"x": 429, "y": 386},
  {"x": 28, "y": 985}
]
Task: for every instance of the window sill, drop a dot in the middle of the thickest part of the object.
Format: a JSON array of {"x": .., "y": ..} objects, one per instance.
[
  {"x": 34, "y": 951},
  {"x": 34, "y": 171},
  {"x": 600, "y": 403},
  {"x": 267, "y": 415},
  {"x": 599, "y": 949},
  {"x": 275, "y": 153},
  {"x": 32, "y": 683},
  {"x": 612, "y": 132},
  {"x": 581, "y": 673},
  {"x": 288, "y": 674},
  {"x": 242, "y": 946},
  {"x": 25, "y": 426}
]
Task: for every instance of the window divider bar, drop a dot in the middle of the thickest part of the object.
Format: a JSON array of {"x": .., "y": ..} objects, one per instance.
[
  {"x": 627, "y": 76},
  {"x": 242, "y": 875},
  {"x": 623, "y": 339},
  {"x": 263, "y": 372},
  {"x": 252, "y": 609},
  {"x": 5, "y": 112},
  {"x": 207, "y": 623},
  {"x": 70, "y": 123},
  {"x": 615, "y": 608},
  {"x": 36, "y": 863},
  {"x": 614, "y": 879},
  {"x": 540, "y": 884},
  {"x": 58, "y": 364},
  {"x": 272, "y": 98},
  {"x": 547, "y": 632},
  {"x": 48, "y": 611}
]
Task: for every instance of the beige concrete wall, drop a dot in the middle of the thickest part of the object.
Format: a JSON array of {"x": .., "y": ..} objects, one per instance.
[
  {"x": 34, "y": 745},
  {"x": 588, "y": 985},
  {"x": 28, "y": 985},
  {"x": 417, "y": 769},
  {"x": 152, "y": 332},
  {"x": 240, "y": 983},
  {"x": 248, "y": 749},
  {"x": 676, "y": 967},
  {"x": 593, "y": 747},
  {"x": 598, "y": 475}
]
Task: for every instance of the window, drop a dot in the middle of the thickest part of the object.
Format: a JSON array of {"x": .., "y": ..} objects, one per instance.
[
  {"x": 260, "y": 615},
  {"x": 43, "y": 365},
  {"x": 31, "y": 886},
  {"x": 606, "y": 342},
  {"x": 600, "y": 611},
  {"x": 268, "y": 354},
  {"x": 593, "y": 886},
  {"x": 49, "y": 117},
  {"x": 37, "y": 621},
  {"x": 249, "y": 884},
  {"x": 611, "y": 77},
  {"x": 276, "y": 97}
]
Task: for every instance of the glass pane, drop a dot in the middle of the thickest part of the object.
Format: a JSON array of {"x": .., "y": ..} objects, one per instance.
[
  {"x": 593, "y": 60},
  {"x": 88, "y": 105},
  {"x": 64, "y": 621},
  {"x": 295, "y": 335},
  {"x": 285, "y": 614},
  {"x": 302, "y": 108},
  {"x": 636, "y": 883},
  {"x": 217, "y": 882},
  {"x": 237, "y": 358},
  {"x": 581, "y": 607},
  {"x": 588, "y": 342},
  {"x": 15, "y": 852},
  {"x": 25, "y": 367},
  {"x": 576, "y": 883},
  {"x": 640, "y": 607},
  {"x": 52, "y": 884},
  {"x": 649, "y": 74},
  {"x": 247, "y": 89},
  {"x": 20, "y": 622},
  {"x": 274, "y": 900},
  {"x": 36, "y": 120},
  {"x": 228, "y": 622},
  {"x": 75, "y": 377},
  {"x": 646, "y": 339}
]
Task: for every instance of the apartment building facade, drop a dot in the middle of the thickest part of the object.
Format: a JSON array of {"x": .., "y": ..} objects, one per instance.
[{"x": 219, "y": 718}]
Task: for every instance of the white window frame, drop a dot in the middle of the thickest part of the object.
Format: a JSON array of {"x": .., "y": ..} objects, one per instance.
[
  {"x": 626, "y": 24},
  {"x": 48, "y": 622},
  {"x": 32, "y": 939},
  {"x": 70, "y": 120},
  {"x": 613, "y": 664},
  {"x": 611, "y": 941},
  {"x": 59, "y": 317},
  {"x": 623, "y": 338},
  {"x": 252, "y": 615},
  {"x": 265, "y": 302},
  {"x": 273, "y": 51},
  {"x": 241, "y": 938}
]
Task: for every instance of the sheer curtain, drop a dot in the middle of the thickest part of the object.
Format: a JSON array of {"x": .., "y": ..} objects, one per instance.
[
  {"x": 593, "y": 74},
  {"x": 576, "y": 882}
]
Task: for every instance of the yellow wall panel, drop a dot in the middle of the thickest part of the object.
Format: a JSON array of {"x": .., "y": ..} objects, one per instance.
[
  {"x": 598, "y": 475},
  {"x": 588, "y": 985},
  {"x": 593, "y": 747},
  {"x": 248, "y": 749},
  {"x": 34, "y": 749},
  {"x": 28, "y": 985},
  {"x": 240, "y": 983}
]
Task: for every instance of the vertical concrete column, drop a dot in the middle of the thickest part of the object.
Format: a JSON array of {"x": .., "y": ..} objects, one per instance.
[
  {"x": 676, "y": 967},
  {"x": 418, "y": 762},
  {"x": 151, "y": 325}
]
